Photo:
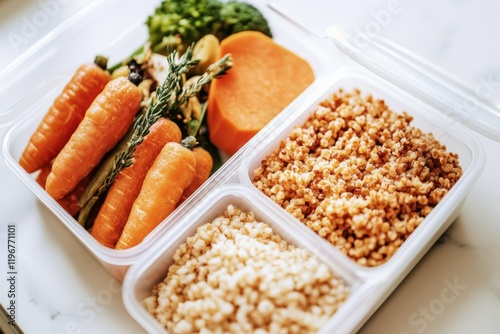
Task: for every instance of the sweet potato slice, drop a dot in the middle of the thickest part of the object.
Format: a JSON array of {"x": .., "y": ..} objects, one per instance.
[{"x": 264, "y": 79}]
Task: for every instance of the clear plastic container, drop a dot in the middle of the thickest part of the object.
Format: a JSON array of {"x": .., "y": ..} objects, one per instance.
[
  {"x": 405, "y": 82},
  {"x": 17, "y": 123}
]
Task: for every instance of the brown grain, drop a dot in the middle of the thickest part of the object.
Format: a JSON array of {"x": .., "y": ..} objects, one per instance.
[{"x": 359, "y": 175}]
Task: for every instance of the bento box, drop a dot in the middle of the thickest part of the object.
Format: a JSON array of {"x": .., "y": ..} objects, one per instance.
[
  {"x": 21, "y": 119},
  {"x": 382, "y": 70}
]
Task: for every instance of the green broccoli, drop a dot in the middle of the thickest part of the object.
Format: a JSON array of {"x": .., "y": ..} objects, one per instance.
[
  {"x": 238, "y": 16},
  {"x": 176, "y": 24},
  {"x": 192, "y": 19}
]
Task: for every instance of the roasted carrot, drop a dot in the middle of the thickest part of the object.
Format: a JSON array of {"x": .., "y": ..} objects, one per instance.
[
  {"x": 204, "y": 164},
  {"x": 41, "y": 178},
  {"x": 105, "y": 122},
  {"x": 172, "y": 171},
  {"x": 264, "y": 79},
  {"x": 115, "y": 210},
  {"x": 63, "y": 117},
  {"x": 70, "y": 201}
]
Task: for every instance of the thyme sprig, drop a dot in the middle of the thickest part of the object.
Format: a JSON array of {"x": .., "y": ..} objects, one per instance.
[{"x": 170, "y": 97}]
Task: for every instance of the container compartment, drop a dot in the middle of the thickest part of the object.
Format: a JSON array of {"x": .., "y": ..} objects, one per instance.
[
  {"x": 142, "y": 277},
  {"x": 425, "y": 117},
  {"x": 25, "y": 115}
]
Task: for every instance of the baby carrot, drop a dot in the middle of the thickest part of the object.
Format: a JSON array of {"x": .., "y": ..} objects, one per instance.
[
  {"x": 105, "y": 122},
  {"x": 115, "y": 210},
  {"x": 41, "y": 178},
  {"x": 63, "y": 117},
  {"x": 70, "y": 201},
  {"x": 204, "y": 164},
  {"x": 172, "y": 171}
]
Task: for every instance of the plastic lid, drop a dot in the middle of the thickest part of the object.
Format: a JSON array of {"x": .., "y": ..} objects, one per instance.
[
  {"x": 420, "y": 78},
  {"x": 403, "y": 68}
]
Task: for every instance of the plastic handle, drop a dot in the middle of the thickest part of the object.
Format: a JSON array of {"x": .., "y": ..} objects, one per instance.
[{"x": 420, "y": 78}]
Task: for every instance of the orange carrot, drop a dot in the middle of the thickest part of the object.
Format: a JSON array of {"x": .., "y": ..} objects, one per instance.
[
  {"x": 104, "y": 124},
  {"x": 41, "y": 178},
  {"x": 70, "y": 201},
  {"x": 115, "y": 210},
  {"x": 172, "y": 171},
  {"x": 204, "y": 164},
  {"x": 63, "y": 117},
  {"x": 264, "y": 79}
]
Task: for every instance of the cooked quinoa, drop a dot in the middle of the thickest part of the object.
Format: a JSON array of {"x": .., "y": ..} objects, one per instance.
[
  {"x": 235, "y": 275},
  {"x": 359, "y": 175}
]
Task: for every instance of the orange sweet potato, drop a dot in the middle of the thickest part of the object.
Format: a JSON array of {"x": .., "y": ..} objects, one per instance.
[{"x": 264, "y": 79}]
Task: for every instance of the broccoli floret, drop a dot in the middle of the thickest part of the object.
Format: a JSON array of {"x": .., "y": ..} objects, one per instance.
[
  {"x": 176, "y": 24},
  {"x": 192, "y": 19},
  {"x": 240, "y": 16}
]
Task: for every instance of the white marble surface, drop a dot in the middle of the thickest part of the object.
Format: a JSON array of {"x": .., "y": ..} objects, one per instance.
[{"x": 62, "y": 289}]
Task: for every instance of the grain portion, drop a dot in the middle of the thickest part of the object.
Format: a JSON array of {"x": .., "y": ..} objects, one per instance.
[
  {"x": 359, "y": 175},
  {"x": 235, "y": 275}
]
